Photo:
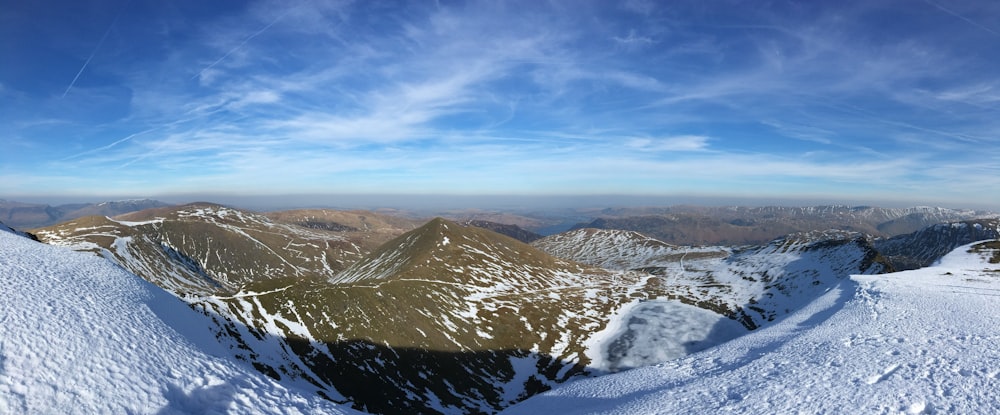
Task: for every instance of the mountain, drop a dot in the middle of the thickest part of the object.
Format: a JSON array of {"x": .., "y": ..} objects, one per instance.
[
  {"x": 753, "y": 285},
  {"x": 748, "y": 288},
  {"x": 27, "y": 215},
  {"x": 81, "y": 335},
  {"x": 911, "y": 342},
  {"x": 619, "y": 249},
  {"x": 113, "y": 208},
  {"x": 922, "y": 248},
  {"x": 446, "y": 318},
  {"x": 520, "y": 219},
  {"x": 512, "y": 231},
  {"x": 693, "y": 225},
  {"x": 365, "y": 228},
  {"x": 442, "y": 319},
  {"x": 204, "y": 248}
]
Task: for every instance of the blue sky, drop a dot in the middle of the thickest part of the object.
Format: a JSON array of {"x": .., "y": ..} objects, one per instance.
[{"x": 883, "y": 101}]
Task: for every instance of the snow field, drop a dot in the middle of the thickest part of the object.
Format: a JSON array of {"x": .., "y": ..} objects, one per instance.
[
  {"x": 650, "y": 332},
  {"x": 79, "y": 335},
  {"x": 921, "y": 341}
]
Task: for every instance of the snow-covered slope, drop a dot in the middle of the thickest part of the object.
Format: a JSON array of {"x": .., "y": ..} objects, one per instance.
[
  {"x": 922, "y": 248},
  {"x": 79, "y": 335},
  {"x": 620, "y": 249},
  {"x": 753, "y": 225},
  {"x": 700, "y": 296},
  {"x": 921, "y": 341}
]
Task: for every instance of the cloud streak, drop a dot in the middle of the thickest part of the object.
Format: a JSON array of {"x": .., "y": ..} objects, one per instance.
[
  {"x": 963, "y": 18},
  {"x": 241, "y": 45},
  {"x": 555, "y": 97},
  {"x": 96, "y": 48}
]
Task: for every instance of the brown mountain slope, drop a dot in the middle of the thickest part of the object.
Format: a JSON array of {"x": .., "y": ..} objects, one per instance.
[
  {"x": 205, "y": 248},
  {"x": 462, "y": 318}
]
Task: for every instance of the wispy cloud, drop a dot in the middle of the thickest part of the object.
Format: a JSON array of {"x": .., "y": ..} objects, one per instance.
[
  {"x": 801, "y": 132},
  {"x": 674, "y": 143},
  {"x": 575, "y": 96},
  {"x": 633, "y": 40},
  {"x": 237, "y": 47},
  {"x": 963, "y": 18}
]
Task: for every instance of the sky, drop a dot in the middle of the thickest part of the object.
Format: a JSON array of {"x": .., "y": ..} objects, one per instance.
[{"x": 885, "y": 101}]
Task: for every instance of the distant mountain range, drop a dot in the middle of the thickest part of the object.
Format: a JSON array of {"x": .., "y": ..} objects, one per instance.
[
  {"x": 696, "y": 225},
  {"x": 399, "y": 315},
  {"x": 29, "y": 215}
]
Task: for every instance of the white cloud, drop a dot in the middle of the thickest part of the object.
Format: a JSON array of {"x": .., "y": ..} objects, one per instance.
[
  {"x": 633, "y": 40},
  {"x": 975, "y": 94},
  {"x": 674, "y": 143},
  {"x": 801, "y": 132},
  {"x": 257, "y": 97}
]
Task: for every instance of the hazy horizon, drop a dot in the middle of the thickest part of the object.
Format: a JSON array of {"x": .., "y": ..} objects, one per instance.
[{"x": 443, "y": 202}]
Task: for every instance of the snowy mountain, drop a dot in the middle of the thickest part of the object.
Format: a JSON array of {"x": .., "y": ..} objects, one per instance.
[
  {"x": 703, "y": 296},
  {"x": 913, "y": 342},
  {"x": 754, "y": 225},
  {"x": 79, "y": 335},
  {"x": 204, "y": 248},
  {"x": 443, "y": 319},
  {"x": 922, "y": 248},
  {"x": 752, "y": 285},
  {"x": 619, "y": 249},
  {"x": 446, "y": 318}
]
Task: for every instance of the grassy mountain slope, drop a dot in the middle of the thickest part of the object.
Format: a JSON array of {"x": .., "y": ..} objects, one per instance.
[
  {"x": 207, "y": 249},
  {"x": 444, "y": 318}
]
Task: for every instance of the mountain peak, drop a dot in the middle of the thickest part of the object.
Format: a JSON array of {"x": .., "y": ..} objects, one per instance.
[{"x": 444, "y": 250}]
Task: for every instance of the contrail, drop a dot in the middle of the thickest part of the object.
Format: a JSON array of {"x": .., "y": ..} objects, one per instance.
[
  {"x": 94, "y": 52},
  {"x": 107, "y": 147},
  {"x": 966, "y": 138},
  {"x": 134, "y": 135},
  {"x": 241, "y": 44},
  {"x": 970, "y": 21}
]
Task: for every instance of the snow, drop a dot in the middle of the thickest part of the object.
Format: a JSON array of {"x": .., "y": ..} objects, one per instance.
[
  {"x": 134, "y": 224},
  {"x": 644, "y": 333},
  {"x": 79, "y": 335},
  {"x": 919, "y": 341}
]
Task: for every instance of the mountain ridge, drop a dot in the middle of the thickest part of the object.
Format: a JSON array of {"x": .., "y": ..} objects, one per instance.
[
  {"x": 696, "y": 225},
  {"x": 27, "y": 216}
]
